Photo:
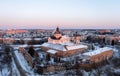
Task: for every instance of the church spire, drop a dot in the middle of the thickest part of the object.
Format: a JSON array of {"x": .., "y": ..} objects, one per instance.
[{"x": 57, "y": 31}]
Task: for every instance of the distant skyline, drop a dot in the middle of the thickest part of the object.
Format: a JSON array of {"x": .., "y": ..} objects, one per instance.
[{"x": 67, "y": 14}]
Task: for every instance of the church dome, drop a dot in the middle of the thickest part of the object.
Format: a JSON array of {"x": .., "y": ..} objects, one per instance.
[
  {"x": 57, "y": 31},
  {"x": 56, "y": 34}
]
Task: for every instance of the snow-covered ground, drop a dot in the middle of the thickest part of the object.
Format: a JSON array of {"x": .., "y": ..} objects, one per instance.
[
  {"x": 25, "y": 66},
  {"x": 9, "y": 70},
  {"x": 23, "y": 63}
]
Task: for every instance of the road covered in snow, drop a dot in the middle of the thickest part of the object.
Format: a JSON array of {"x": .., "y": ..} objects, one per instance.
[{"x": 7, "y": 63}]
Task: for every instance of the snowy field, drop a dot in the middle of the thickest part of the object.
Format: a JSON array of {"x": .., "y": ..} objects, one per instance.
[{"x": 11, "y": 70}]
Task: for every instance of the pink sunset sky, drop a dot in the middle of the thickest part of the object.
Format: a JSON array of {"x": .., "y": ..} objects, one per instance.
[{"x": 45, "y": 14}]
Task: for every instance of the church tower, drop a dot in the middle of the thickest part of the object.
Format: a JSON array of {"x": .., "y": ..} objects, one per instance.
[
  {"x": 57, "y": 37},
  {"x": 57, "y": 34},
  {"x": 76, "y": 38}
]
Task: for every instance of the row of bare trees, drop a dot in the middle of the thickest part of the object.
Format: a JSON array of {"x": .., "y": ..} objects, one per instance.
[{"x": 6, "y": 60}]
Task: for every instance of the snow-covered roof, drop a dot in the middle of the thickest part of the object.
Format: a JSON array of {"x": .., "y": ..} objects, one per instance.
[
  {"x": 37, "y": 39},
  {"x": 52, "y": 51},
  {"x": 76, "y": 47},
  {"x": 54, "y": 46},
  {"x": 17, "y": 38},
  {"x": 68, "y": 43},
  {"x": 98, "y": 51},
  {"x": 17, "y": 46},
  {"x": 28, "y": 38},
  {"x": 63, "y": 47},
  {"x": 25, "y": 45},
  {"x": 119, "y": 41}
]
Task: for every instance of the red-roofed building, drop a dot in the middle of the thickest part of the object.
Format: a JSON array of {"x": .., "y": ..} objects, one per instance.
[{"x": 12, "y": 31}]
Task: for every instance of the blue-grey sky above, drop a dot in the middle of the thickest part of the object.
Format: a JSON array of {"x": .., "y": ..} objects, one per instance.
[{"x": 63, "y": 13}]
